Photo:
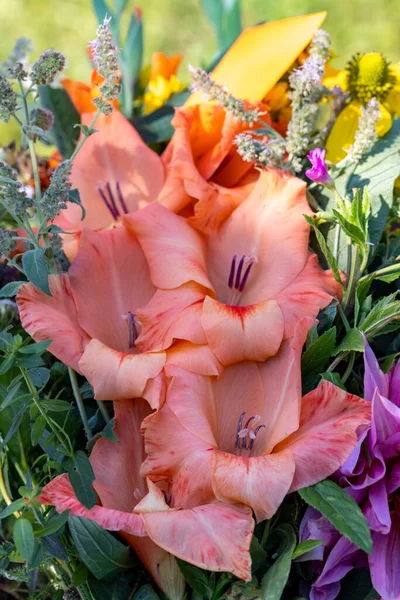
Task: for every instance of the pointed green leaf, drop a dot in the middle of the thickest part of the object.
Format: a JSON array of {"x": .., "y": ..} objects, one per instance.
[
  {"x": 62, "y": 134},
  {"x": 37, "y": 430},
  {"x": 341, "y": 510},
  {"x": 275, "y": 579},
  {"x": 37, "y": 269},
  {"x": 330, "y": 259},
  {"x": 10, "y": 289},
  {"x": 305, "y": 547},
  {"x": 13, "y": 507},
  {"x": 353, "y": 340},
  {"x": 81, "y": 476},
  {"x": 24, "y": 538},
  {"x": 99, "y": 550},
  {"x": 54, "y": 524}
]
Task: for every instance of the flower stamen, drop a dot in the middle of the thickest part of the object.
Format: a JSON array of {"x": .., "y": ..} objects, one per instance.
[
  {"x": 237, "y": 278},
  {"x": 110, "y": 200},
  {"x": 246, "y": 436}
]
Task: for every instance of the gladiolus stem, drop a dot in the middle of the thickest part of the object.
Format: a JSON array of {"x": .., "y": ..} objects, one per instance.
[
  {"x": 86, "y": 135},
  {"x": 103, "y": 410},
  {"x": 79, "y": 402}
]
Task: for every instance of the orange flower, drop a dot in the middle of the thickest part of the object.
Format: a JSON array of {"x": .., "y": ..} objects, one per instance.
[
  {"x": 212, "y": 535},
  {"x": 160, "y": 80},
  {"x": 204, "y": 174},
  {"x": 83, "y": 94},
  {"x": 242, "y": 291},
  {"x": 249, "y": 437}
]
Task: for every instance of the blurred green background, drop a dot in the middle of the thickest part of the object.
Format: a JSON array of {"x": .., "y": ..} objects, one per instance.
[{"x": 180, "y": 26}]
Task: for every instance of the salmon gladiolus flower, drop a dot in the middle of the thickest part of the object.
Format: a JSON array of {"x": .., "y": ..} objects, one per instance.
[
  {"x": 214, "y": 536},
  {"x": 249, "y": 437},
  {"x": 115, "y": 173},
  {"x": 91, "y": 316},
  {"x": 204, "y": 174},
  {"x": 242, "y": 291}
]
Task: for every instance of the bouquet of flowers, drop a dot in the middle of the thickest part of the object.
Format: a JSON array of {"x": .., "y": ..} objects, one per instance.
[{"x": 200, "y": 396}]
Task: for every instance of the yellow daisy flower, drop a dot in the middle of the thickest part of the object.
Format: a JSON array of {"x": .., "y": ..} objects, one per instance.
[{"x": 366, "y": 76}]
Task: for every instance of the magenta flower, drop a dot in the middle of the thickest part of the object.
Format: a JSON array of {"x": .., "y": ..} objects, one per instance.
[
  {"x": 319, "y": 170},
  {"x": 371, "y": 475}
]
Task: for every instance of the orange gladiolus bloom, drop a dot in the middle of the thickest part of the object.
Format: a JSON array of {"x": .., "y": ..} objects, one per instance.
[
  {"x": 214, "y": 536},
  {"x": 242, "y": 291},
  {"x": 250, "y": 437},
  {"x": 83, "y": 94},
  {"x": 203, "y": 172},
  {"x": 91, "y": 316},
  {"x": 115, "y": 173}
]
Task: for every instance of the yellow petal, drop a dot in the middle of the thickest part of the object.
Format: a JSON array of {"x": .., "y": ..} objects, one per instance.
[
  {"x": 262, "y": 54},
  {"x": 393, "y": 100},
  {"x": 345, "y": 127},
  {"x": 339, "y": 79}
]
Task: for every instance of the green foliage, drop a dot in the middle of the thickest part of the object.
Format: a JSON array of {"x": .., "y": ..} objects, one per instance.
[
  {"x": 81, "y": 476},
  {"x": 341, "y": 510},
  {"x": 24, "y": 538},
  {"x": 225, "y": 16},
  {"x": 315, "y": 359},
  {"x": 274, "y": 581},
  {"x": 37, "y": 269},
  {"x": 63, "y": 133},
  {"x": 98, "y": 549}
]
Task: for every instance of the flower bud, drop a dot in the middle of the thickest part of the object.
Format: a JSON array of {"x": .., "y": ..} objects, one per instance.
[
  {"x": 8, "y": 100},
  {"x": 7, "y": 242},
  {"x": 57, "y": 194},
  {"x": 47, "y": 66},
  {"x": 42, "y": 118}
]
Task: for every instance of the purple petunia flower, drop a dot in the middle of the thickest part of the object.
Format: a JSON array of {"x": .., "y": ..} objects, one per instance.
[
  {"x": 319, "y": 171},
  {"x": 371, "y": 475}
]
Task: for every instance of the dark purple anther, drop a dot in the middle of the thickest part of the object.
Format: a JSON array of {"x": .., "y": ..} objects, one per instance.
[
  {"x": 107, "y": 203},
  {"x": 255, "y": 435},
  {"x": 239, "y": 273},
  {"x": 121, "y": 199},
  {"x": 239, "y": 428},
  {"x": 112, "y": 199},
  {"x": 232, "y": 273},
  {"x": 245, "y": 276},
  {"x": 132, "y": 330}
]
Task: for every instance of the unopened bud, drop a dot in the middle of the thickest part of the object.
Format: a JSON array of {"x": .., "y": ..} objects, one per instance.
[
  {"x": 57, "y": 194},
  {"x": 7, "y": 242},
  {"x": 47, "y": 66},
  {"x": 8, "y": 100},
  {"x": 42, "y": 118}
]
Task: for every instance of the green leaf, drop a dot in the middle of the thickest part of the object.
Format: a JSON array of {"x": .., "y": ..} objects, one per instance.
[
  {"x": 133, "y": 50},
  {"x": 37, "y": 269},
  {"x": 75, "y": 197},
  {"x": 10, "y": 396},
  {"x": 353, "y": 340},
  {"x": 108, "y": 431},
  {"x": 146, "y": 592},
  {"x": 54, "y": 547},
  {"x": 316, "y": 358},
  {"x": 326, "y": 251},
  {"x": 198, "y": 579},
  {"x": 81, "y": 476},
  {"x": 341, "y": 510},
  {"x": 102, "y": 9},
  {"x": 39, "y": 376},
  {"x": 53, "y": 524},
  {"x": 226, "y": 20},
  {"x": 156, "y": 127},
  {"x": 16, "y": 422},
  {"x": 378, "y": 172},
  {"x": 258, "y": 554},
  {"x": 275, "y": 579},
  {"x": 10, "y": 289},
  {"x": 37, "y": 430},
  {"x": 98, "y": 549},
  {"x": 305, "y": 547},
  {"x": 36, "y": 348},
  {"x": 11, "y": 508},
  {"x": 381, "y": 314},
  {"x": 333, "y": 378},
  {"x": 24, "y": 538},
  {"x": 62, "y": 134},
  {"x": 354, "y": 232}
]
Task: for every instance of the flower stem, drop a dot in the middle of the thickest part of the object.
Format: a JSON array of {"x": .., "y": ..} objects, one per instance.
[
  {"x": 103, "y": 410},
  {"x": 79, "y": 402},
  {"x": 349, "y": 368},
  {"x": 86, "y": 135},
  {"x": 3, "y": 490}
]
